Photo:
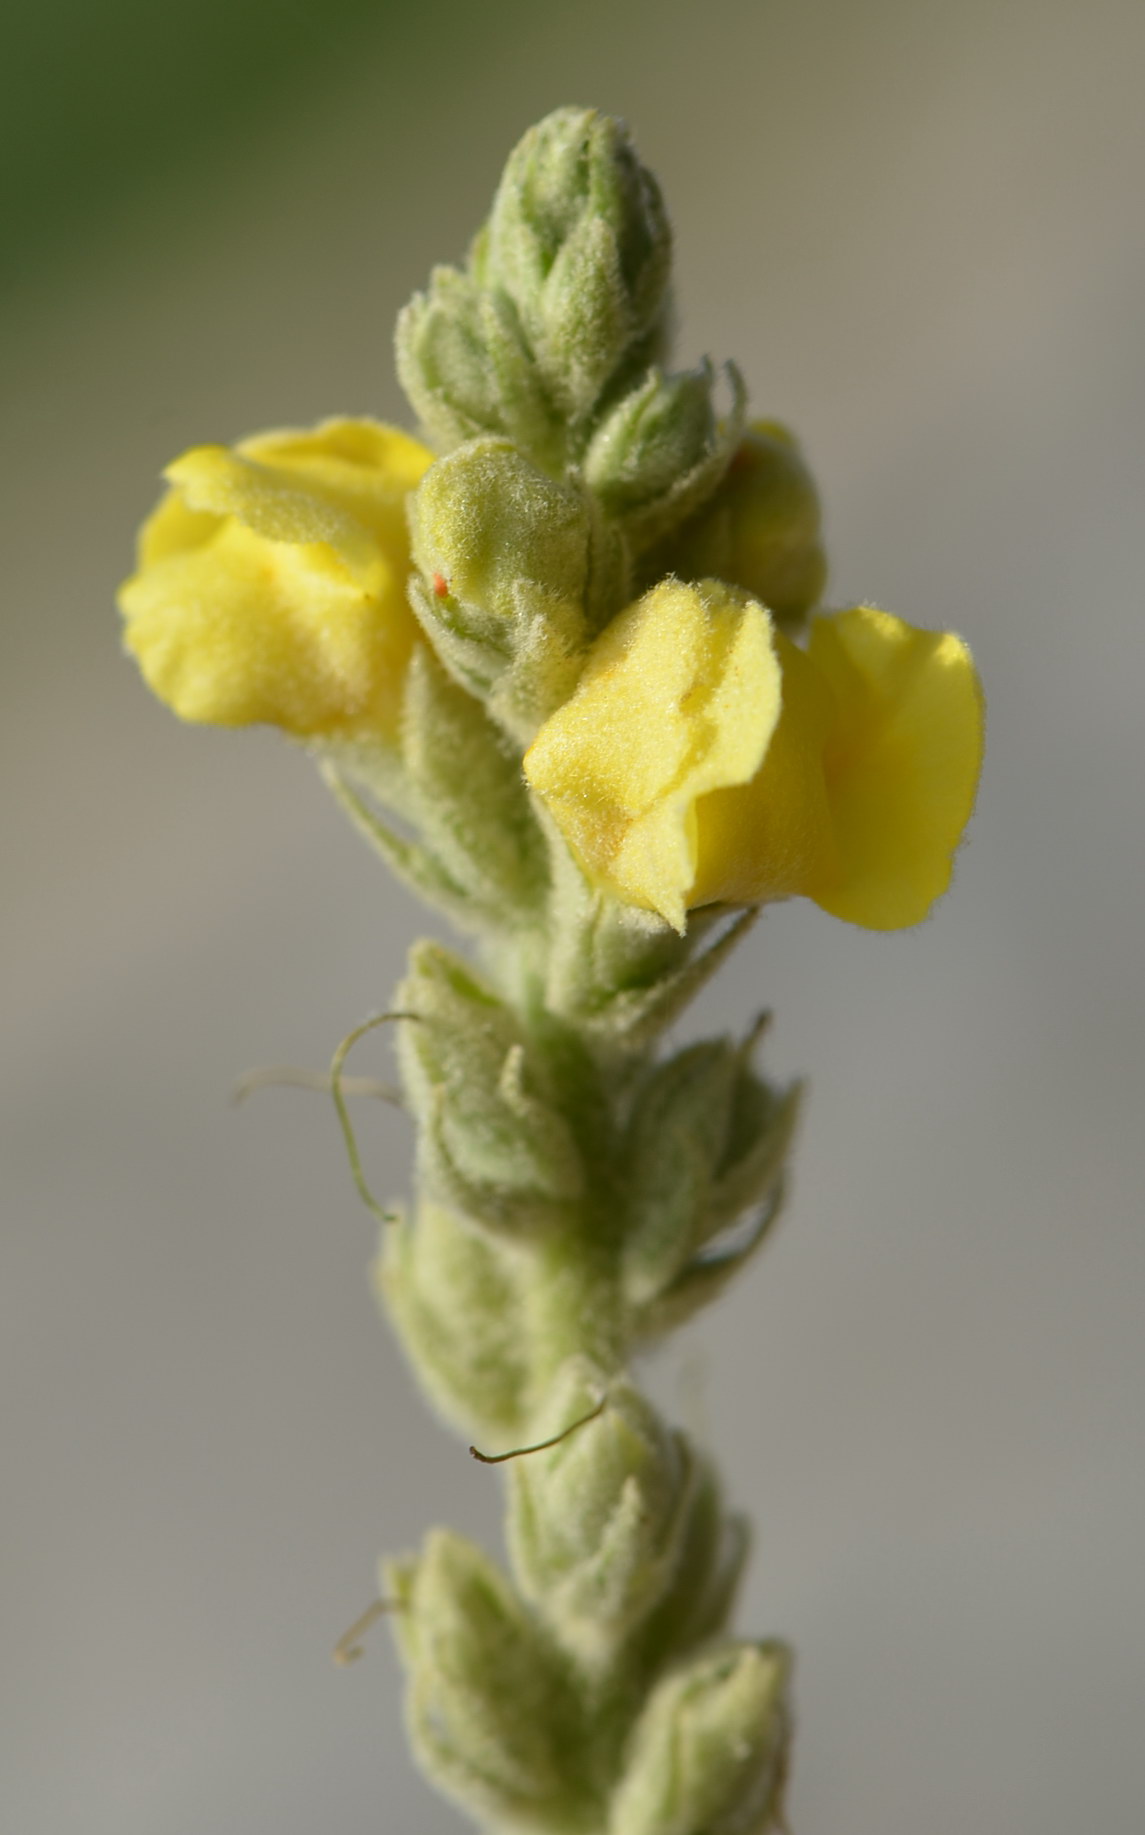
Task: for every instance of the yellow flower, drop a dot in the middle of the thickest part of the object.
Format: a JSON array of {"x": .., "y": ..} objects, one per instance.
[
  {"x": 705, "y": 758},
  {"x": 271, "y": 581}
]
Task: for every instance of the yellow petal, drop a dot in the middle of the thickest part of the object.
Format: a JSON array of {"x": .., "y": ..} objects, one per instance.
[
  {"x": 367, "y": 469},
  {"x": 271, "y": 503},
  {"x": 243, "y": 630},
  {"x": 680, "y": 695},
  {"x": 705, "y": 758},
  {"x": 173, "y": 528},
  {"x": 901, "y": 765},
  {"x": 773, "y": 836},
  {"x": 271, "y": 582}
]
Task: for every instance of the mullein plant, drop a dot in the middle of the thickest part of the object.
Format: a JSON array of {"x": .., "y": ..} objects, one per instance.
[{"x": 558, "y": 659}]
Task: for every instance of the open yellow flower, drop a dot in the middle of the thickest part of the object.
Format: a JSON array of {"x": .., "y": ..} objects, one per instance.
[
  {"x": 705, "y": 758},
  {"x": 271, "y": 583}
]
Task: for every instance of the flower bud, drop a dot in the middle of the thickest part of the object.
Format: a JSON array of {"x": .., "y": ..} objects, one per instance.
[
  {"x": 517, "y": 571},
  {"x": 699, "y": 1602},
  {"x": 272, "y": 582},
  {"x": 486, "y": 519},
  {"x": 706, "y": 1141},
  {"x": 598, "y": 1522},
  {"x": 761, "y": 1122},
  {"x": 466, "y": 366},
  {"x": 579, "y": 239},
  {"x": 760, "y": 529},
  {"x": 489, "y": 1716},
  {"x": 676, "y": 1140},
  {"x": 453, "y": 1294},
  {"x": 655, "y": 433},
  {"x": 663, "y": 449},
  {"x": 492, "y": 1140},
  {"x": 709, "y": 1752}
]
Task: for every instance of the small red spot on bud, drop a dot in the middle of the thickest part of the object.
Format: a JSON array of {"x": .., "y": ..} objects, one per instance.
[{"x": 440, "y": 585}]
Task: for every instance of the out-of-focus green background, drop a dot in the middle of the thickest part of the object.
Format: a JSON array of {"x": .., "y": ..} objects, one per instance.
[{"x": 919, "y": 229}]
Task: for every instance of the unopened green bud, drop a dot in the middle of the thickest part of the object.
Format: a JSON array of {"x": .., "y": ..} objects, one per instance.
[
  {"x": 628, "y": 974},
  {"x": 489, "y": 1717},
  {"x": 761, "y": 529},
  {"x": 654, "y": 434},
  {"x": 707, "y": 1140},
  {"x": 485, "y": 519},
  {"x": 761, "y": 1123},
  {"x": 453, "y": 1292},
  {"x": 663, "y": 449},
  {"x": 516, "y": 572},
  {"x": 709, "y": 1753},
  {"x": 700, "y": 1601},
  {"x": 492, "y": 1140},
  {"x": 579, "y": 239},
  {"x": 598, "y": 1522},
  {"x": 466, "y": 366},
  {"x": 676, "y": 1140}
]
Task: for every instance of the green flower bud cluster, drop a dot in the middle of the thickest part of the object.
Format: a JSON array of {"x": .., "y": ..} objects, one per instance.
[
  {"x": 575, "y": 470},
  {"x": 566, "y": 292},
  {"x": 579, "y": 240},
  {"x": 567, "y": 1215},
  {"x": 562, "y": 1186},
  {"x": 616, "y": 1533},
  {"x": 555, "y": 334},
  {"x": 595, "y": 1693}
]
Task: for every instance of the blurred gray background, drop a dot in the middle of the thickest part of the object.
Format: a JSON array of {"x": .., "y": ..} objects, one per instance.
[{"x": 919, "y": 229}]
